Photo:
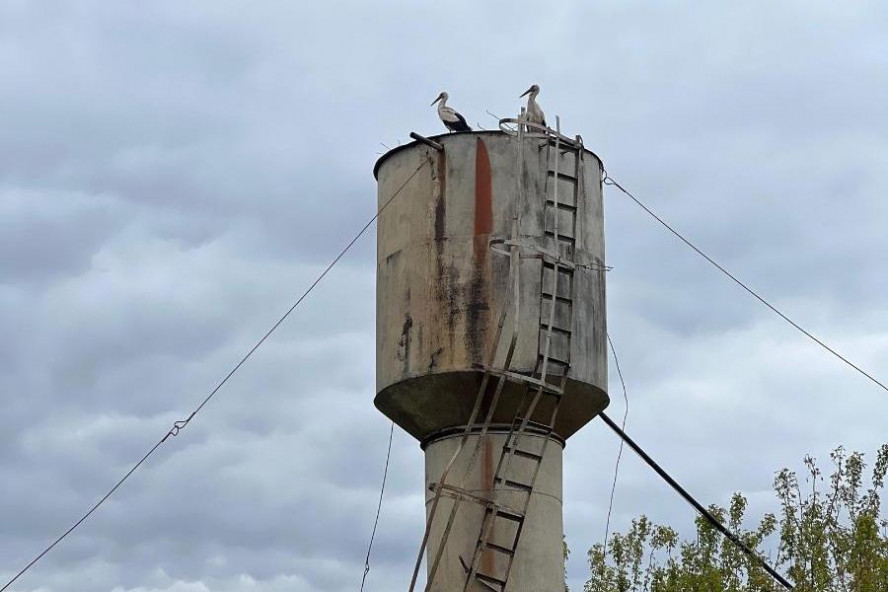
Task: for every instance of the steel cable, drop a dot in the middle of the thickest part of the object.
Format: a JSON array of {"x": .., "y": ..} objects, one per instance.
[
  {"x": 181, "y": 424},
  {"x": 385, "y": 471},
  {"x": 610, "y": 505},
  {"x": 609, "y": 181}
]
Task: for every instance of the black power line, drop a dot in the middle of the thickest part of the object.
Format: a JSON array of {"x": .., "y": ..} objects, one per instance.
[
  {"x": 385, "y": 471},
  {"x": 181, "y": 424},
  {"x": 697, "y": 505},
  {"x": 753, "y": 293}
]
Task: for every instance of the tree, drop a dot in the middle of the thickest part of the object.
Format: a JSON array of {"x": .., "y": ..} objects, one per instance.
[{"x": 830, "y": 536}]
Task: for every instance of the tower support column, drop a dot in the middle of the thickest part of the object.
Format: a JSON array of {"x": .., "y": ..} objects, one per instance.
[{"x": 539, "y": 559}]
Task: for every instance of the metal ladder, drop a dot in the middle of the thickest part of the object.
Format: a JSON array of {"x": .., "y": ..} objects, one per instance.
[
  {"x": 557, "y": 263},
  {"x": 458, "y": 492},
  {"x": 556, "y": 324}
]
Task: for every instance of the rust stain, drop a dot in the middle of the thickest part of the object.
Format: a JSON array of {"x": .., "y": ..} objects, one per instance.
[
  {"x": 477, "y": 290},
  {"x": 483, "y": 200}
]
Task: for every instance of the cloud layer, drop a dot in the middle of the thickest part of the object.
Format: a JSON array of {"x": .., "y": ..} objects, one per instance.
[{"x": 172, "y": 176}]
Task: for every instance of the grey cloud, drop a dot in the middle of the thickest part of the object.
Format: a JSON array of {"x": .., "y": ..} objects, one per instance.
[{"x": 173, "y": 176}]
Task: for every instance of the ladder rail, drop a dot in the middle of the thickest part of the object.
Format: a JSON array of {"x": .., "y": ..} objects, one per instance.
[{"x": 556, "y": 270}]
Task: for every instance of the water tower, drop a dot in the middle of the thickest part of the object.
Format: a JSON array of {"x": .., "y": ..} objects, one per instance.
[{"x": 491, "y": 340}]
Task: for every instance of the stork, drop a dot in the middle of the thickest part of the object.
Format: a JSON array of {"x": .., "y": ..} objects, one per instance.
[
  {"x": 534, "y": 113},
  {"x": 453, "y": 120}
]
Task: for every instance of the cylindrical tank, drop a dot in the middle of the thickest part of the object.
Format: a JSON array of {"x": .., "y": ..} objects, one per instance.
[
  {"x": 448, "y": 219},
  {"x": 440, "y": 286}
]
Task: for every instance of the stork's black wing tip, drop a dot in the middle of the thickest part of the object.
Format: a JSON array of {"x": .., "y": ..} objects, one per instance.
[{"x": 461, "y": 125}]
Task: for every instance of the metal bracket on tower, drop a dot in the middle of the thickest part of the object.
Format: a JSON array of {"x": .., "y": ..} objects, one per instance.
[{"x": 428, "y": 142}]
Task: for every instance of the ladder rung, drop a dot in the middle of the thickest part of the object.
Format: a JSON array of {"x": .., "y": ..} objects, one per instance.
[
  {"x": 561, "y": 237},
  {"x": 533, "y": 424},
  {"x": 465, "y": 566},
  {"x": 514, "y": 484},
  {"x": 563, "y": 299},
  {"x": 561, "y": 205},
  {"x": 563, "y": 175},
  {"x": 553, "y": 360},
  {"x": 459, "y": 493},
  {"x": 566, "y": 145},
  {"x": 551, "y": 260},
  {"x": 552, "y": 394},
  {"x": 528, "y": 380},
  {"x": 524, "y": 453},
  {"x": 555, "y": 329},
  {"x": 500, "y": 548},
  {"x": 513, "y": 515},
  {"x": 488, "y": 579},
  {"x": 546, "y": 387}
]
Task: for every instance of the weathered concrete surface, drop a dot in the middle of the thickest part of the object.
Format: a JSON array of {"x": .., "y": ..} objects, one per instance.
[
  {"x": 539, "y": 563},
  {"x": 440, "y": 287}
]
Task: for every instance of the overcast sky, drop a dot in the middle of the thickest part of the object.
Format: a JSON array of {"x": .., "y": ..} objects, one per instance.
[{"x": 173, "y": 174}]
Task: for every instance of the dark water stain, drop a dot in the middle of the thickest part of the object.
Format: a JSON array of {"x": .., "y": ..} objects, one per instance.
[
  {"x": 392, "y": 258},
  {"x": 433, "y": 361},
  {"x": 404, "y": 342},
  {"x": 445, "y": 278},
  {"x": 477, "y": 307},
  {"x": 440, "y": 203}
]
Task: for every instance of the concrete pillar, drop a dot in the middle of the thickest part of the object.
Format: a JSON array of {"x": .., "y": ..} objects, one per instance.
[{"x": 539, "y": 561}]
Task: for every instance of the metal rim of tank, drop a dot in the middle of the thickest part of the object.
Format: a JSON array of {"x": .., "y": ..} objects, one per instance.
[
  {"x": 495, "y": 428},
  {"x": 438, "y": 137}
]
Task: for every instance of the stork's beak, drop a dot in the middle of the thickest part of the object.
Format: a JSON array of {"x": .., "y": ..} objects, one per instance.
[
  {"x": 436, "y": 100},
  {"x": 527, "y": 92}
]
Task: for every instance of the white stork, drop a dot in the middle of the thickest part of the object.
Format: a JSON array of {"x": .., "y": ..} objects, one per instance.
[
  {"x": 534, "y": 113},
  {"x": 453, "y": 120}
]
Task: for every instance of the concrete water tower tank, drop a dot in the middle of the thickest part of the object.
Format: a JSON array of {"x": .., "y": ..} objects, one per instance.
[{"x": 492, "y": 227}]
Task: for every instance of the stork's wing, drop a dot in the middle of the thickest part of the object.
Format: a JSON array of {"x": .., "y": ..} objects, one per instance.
[{"x": 460, "y": 124}]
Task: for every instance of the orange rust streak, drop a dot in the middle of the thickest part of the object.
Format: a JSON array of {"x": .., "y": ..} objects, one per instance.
[{"x": 483, "y": 200}]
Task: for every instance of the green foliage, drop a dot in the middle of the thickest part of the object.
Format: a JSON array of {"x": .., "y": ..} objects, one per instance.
[
  {"x": 830, "y": 536},
  {"x": 565, "y": 551}
]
